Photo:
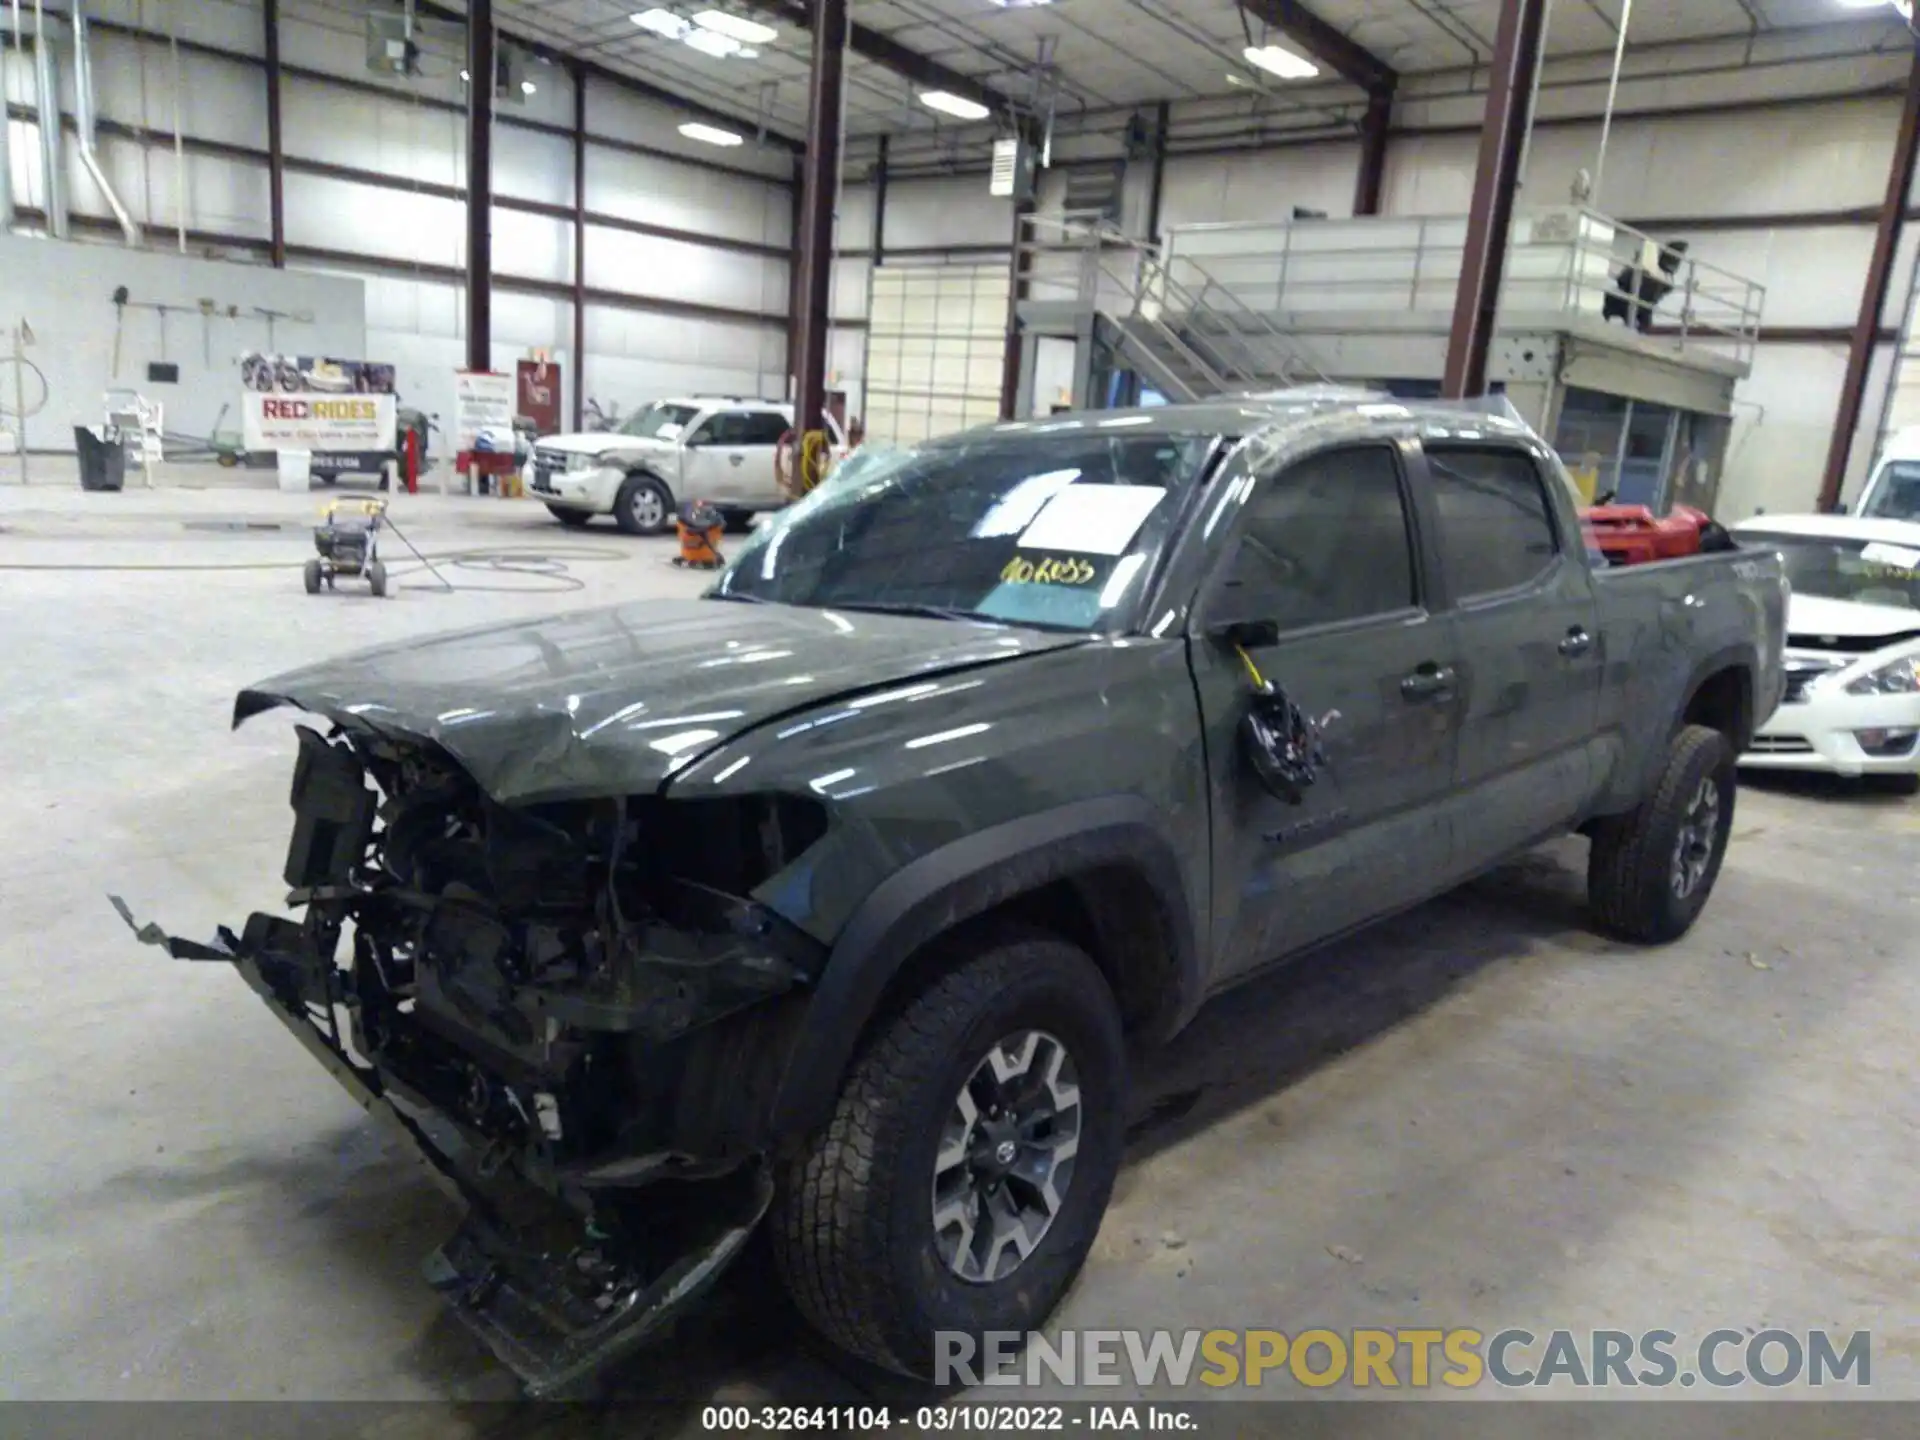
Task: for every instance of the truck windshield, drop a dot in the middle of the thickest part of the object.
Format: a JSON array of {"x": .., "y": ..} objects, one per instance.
[
  {"x": 658, "y": 422},
  {"x": 1857, "y": 570},
  {"x": 1895, "y": 493},
  {"x": 1054, "y": 531}
]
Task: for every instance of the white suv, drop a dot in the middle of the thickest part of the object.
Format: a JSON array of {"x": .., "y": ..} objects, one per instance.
[{"x": 715, "y": 448}]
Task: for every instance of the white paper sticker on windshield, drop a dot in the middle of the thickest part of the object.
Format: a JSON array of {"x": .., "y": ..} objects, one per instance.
[
  {"x": 669, "y": 431},
  {"x": 1092, "y": 519},
  {"x": 1896, "y": 557}
]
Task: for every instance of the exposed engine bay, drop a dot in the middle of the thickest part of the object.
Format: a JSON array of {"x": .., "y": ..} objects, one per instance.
[{"x": 530, "y": 994}]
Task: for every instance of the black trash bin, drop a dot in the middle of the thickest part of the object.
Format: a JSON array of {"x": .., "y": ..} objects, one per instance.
[{"x": 103, "y": 463}]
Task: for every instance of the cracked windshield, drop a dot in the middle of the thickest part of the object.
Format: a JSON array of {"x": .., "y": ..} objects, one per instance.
[{"x": 1051, "y": 531}]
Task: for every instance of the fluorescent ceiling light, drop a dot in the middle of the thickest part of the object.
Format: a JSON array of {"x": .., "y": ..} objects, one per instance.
[
  {"x": 712, "y": 134},
  {"x": 465, "y": 77},
  {"x": 710, "y": 43},
  {"x": 953, "y": 105},
  {"x": 1278, "y": 60},
  {"x": 736, "y": 27},
  {"x": 663, "y": 22},
  {"x": 527, "y": 87}
]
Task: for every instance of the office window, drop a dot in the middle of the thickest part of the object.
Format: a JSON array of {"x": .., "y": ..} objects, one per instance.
[
  {"x": 1496, "y": 531},
  {"x": 1325, "y": 540}
]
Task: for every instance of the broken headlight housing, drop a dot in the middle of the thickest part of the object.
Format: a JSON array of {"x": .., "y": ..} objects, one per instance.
[{"x": 1899, "y": 677}]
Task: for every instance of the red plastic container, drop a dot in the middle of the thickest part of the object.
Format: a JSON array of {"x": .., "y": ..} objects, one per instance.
[{"x": 1634, "y": 535}]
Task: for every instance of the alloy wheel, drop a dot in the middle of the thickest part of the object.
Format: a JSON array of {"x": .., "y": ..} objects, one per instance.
[
  {"x": 1699, "y": 830},
  {"x": 1005, "y": 1162}
]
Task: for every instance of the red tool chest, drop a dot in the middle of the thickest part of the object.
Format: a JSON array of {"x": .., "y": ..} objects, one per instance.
[{"x": 1634, "y": 535}]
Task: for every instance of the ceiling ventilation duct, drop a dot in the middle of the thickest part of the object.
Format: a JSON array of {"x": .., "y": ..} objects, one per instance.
[{"x": 84, "y": 119}]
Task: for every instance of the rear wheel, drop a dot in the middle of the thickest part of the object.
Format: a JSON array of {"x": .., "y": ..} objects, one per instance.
[
  {"x": 1650, "y": 871},
  {"x": 964, "y": 1174},
  {"x": 644, "y": 506}
]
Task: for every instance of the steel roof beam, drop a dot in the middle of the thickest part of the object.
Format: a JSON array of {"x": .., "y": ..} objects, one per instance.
[
  {"x": 883, "y": 50},
  {"x": 1350, "y": 60}
]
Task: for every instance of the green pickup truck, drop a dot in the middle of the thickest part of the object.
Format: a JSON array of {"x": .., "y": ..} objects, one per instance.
[{"x": 834, "y": 900}]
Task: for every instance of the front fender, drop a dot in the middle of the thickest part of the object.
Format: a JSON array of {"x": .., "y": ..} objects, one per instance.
[{"x": 963, "y": 879}]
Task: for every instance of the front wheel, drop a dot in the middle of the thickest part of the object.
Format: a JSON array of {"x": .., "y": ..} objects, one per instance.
[
  {"x": 1650, "y": 871},
  {"x": 644, "y": 506},
  {"x": 962, "y": 1178}
]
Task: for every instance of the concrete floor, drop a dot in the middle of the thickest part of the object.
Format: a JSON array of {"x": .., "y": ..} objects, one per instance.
[{"x": 1481, "y": 1115}]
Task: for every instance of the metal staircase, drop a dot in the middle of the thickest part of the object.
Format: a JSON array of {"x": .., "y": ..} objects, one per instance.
[{"x": 1186, "y": 334}]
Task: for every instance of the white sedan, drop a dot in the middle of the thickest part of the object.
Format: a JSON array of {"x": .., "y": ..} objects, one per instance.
[{"x": 1852, "y": 705}]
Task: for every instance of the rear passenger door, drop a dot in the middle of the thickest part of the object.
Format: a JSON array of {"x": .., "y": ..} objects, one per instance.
[
  {"x": 730, "y": 459},
  {"x": 759, "y": 443},
  {"x": 1530, "y": 648},
  {"x": 1327, "y": 550}
]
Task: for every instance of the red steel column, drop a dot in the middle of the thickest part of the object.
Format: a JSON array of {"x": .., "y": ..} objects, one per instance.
[
  {"x": 1873, "y": 299},
  {"x": 1373, "y": 152},
  {"x": 579, "y": 247},
  {"x": 1503, "y": 134},
  {"x": 820, "y": 176},
  {"x": 276, "y": 148},
  {"x": 480, "y": 87}
]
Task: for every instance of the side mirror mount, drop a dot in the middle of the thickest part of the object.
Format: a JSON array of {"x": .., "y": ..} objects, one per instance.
[{"x": 1248, "y": 634}]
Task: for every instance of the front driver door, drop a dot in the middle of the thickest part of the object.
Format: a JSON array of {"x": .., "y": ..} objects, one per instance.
[{"x": 1327, "y": 550}]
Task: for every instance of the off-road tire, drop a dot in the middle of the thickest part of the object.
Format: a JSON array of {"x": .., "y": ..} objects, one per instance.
[
  {"x": 1630, "y": 869},
  {"x": 623, "y": 505},
  {"x": 571, "y": 518},
  {"x": 852, "y": 1229}
]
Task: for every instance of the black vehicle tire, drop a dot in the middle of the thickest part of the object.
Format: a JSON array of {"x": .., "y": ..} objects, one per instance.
[
  {"x": 311, "y": 574},
  {"x": 644, "y": 506},
  {"x": 739, "y": 522},
  {"x": 853, "y": 1230},
  {"x": 1651, "y": 870},
  {"x": 377, "y": 579},
  {"x": 572, "y": 519}
]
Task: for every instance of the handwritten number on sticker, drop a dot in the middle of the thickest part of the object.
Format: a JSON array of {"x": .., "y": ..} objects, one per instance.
[{"x": 1048, "y": 572}]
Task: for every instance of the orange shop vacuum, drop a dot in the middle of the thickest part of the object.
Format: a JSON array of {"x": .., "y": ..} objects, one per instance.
[{"x": 700, "y": 526}]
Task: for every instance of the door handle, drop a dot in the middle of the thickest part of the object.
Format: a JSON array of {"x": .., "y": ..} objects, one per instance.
[
  {"x": 1578, "y": 642},
  {"x": 1427, "y": 682}
]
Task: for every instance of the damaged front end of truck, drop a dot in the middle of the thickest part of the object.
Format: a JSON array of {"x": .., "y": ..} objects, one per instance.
[{"x": 575, "y": 1010}]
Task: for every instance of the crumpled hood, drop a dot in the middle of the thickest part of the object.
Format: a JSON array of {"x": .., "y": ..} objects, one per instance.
[
  {"x": 600, "y": 442},
  {"x": 614, "y": 701}
]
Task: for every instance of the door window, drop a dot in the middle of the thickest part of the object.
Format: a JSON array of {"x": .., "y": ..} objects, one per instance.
[
  {"x": 1325, "y": 540},
  {"x": 731, "y": 427},
  {"x": 1496, "y": 529},
  {"x": 762, "y": 427}
]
